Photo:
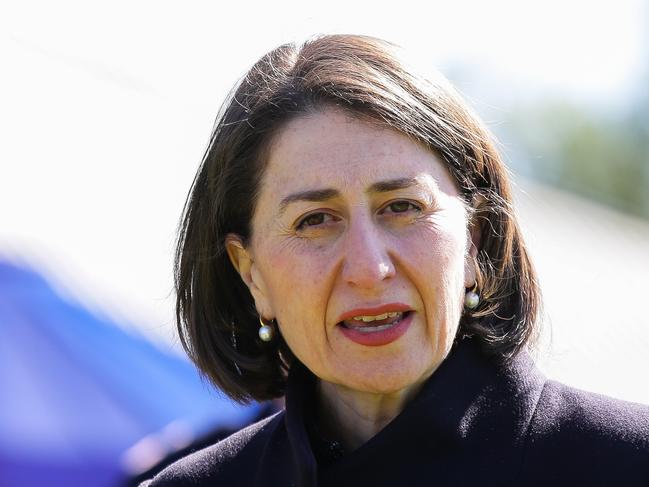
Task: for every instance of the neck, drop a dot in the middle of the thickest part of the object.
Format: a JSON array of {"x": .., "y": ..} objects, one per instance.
[{"x": 353, "y": 417}]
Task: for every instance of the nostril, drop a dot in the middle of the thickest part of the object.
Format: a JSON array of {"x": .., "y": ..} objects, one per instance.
[{"x": 368, "y": 274}]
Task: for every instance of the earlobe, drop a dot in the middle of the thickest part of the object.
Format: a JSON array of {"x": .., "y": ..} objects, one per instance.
[
  {"x": 244, "y": 264},
  {"x": 471, "y": 261}
]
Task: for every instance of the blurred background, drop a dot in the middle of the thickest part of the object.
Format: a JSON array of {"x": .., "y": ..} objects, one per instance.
[{"x": 105, "y": 112}]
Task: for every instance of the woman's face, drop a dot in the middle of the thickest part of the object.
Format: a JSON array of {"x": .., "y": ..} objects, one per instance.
[{"x": 356, "y": 221}]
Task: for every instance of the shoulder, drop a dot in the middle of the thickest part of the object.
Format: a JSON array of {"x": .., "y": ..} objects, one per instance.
[
  {"x": 229, "y": 458},
  {"x": 564, "y": 408},
  {"x": 584, "y": 433}
]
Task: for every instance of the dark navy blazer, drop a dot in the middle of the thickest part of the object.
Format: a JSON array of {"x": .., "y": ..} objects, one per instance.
[{"x": 475, "y": 422}]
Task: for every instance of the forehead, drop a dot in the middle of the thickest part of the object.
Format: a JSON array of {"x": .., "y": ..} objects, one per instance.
[{"x": 332, "y": 149}]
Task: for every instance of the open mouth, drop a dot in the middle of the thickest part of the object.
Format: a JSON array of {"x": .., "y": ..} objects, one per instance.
[{"x": 373, "y": 324}]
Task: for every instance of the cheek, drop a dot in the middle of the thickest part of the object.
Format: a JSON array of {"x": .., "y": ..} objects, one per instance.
[
  {"x": 436, "y": 262},
  {"x": 435, "y": 251},
  {"x": 297, "y": 284},
  {"x": 299, "y": 292}
]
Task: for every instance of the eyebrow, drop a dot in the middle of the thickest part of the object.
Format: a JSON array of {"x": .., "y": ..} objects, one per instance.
[
  {"x": 392, "y": 185},
  {"x": 330, "y": 193}
]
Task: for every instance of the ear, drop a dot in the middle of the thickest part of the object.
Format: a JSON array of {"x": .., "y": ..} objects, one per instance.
[
  {"x": 474, "y": 236},
  {"x": 244, "y": 263}
]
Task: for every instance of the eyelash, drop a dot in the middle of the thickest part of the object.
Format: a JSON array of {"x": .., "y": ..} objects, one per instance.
[
  {"x": 301, "y": 225},
  {"x": 410, "y": 203}
]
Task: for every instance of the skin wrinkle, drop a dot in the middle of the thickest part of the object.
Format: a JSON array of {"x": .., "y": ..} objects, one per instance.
[
  {"x": 428, "y": 214},
  {"x": 332, "y": 418},
  {"x": 326, "y": 194},
  {"x": 330, "y": 73},
  {"x": 368, "y": 255}
]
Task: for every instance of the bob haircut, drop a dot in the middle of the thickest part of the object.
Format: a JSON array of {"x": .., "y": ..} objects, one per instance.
[{"x": 369, "y": 79}]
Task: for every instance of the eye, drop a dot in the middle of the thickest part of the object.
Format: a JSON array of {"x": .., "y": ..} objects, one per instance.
[
  {"x": 402, "y": 206},
  {"x": 314, "y": 220}
]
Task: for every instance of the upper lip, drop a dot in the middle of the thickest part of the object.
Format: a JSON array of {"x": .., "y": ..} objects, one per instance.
[{"x": 374, "y": 311}]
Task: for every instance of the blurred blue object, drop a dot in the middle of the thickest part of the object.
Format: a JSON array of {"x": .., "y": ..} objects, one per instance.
[{"x": 84, "y": 402}]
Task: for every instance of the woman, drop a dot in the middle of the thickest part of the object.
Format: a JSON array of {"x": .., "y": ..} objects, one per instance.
[{"x": 349, "y": 241}]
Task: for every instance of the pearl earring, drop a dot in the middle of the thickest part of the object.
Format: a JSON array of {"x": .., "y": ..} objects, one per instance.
[
  {"x": 265, "y": 331},
  {"x": 471, "y": 298}
]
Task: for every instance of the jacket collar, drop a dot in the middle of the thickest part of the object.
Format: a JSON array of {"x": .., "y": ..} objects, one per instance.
[{"x": 471, "y": 403}]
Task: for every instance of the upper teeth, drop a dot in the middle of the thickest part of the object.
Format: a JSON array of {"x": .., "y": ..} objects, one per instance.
[{"x": 366, "y": 319}]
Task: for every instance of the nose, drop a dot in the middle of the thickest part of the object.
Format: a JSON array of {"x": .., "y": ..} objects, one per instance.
[{"x": 367, "y": 262}]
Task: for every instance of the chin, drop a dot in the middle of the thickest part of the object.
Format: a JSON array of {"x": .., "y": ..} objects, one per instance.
[{"x": 386, "y": 381}]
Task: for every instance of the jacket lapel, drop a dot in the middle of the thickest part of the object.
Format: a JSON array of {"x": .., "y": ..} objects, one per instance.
[{"x": 468, "y": 421}]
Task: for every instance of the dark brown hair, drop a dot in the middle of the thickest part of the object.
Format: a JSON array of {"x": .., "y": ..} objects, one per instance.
[{"x": 368, "y": 78}]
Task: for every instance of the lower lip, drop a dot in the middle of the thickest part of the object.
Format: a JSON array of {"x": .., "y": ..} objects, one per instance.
[{"x": 378, "y": 338}]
